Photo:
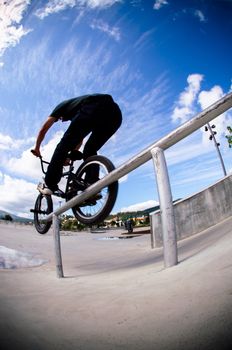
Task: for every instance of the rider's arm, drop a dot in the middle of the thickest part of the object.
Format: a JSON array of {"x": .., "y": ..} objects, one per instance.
[{"x": 45, "y": 127}]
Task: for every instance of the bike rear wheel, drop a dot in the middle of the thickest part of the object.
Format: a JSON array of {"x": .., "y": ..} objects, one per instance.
[
  {"x": 43, "y": 207},
  {"x": 95, "y": 209}
]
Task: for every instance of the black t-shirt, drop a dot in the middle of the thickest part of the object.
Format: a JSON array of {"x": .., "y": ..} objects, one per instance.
[{"x": 69, "y": 108}]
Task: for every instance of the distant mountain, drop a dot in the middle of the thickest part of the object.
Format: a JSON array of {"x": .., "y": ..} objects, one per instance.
[
  {"x": 15, "y": 218},
  {"x": 128, "y": 214},
  {"x": 140, "y": 212}
]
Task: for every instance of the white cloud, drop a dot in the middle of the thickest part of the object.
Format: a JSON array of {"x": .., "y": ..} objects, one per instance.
[
  {"x": 143, "y": 39},
  {"x": 194, "y": 81},
  {"x": 187, "y": 104},
  {"x": 66, "y": 70},
  {"x": 207, "y": 98},
  {"x": 198, "y": 144},
  {"x": 55, "y": 6},
  {"x": 99, "y": 3},
  {"x": 230, "y": 90},
  {"x": 159, "y": 3},
  {"x": 28, "y": 165},
  {"x": 16, "y": 195},
  {"x": 11, "y": 14},
  {"x": 7, "y": 143},
  {"x": 140, "y": 206},
  {"x": 184, "y": 106},
  {"x": 200, "y": 15},
  {"x": 104, "y": 27}
]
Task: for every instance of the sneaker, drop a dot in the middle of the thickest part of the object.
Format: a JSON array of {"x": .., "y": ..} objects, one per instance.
[{"x": 44, "y": 190}]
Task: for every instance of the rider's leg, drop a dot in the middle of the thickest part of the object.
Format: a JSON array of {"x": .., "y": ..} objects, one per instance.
[
  {"x": 108, "y": 123},
  {"x": 109, "y": 119},
  {"x": 78, "y": 129}
]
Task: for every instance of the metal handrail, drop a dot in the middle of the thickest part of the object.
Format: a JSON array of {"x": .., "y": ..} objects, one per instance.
[
  {"x": 164, "y": 143},
  {"x": 155, "y": 151}
]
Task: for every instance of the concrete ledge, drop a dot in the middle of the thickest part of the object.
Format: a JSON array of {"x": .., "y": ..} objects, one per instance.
[{"x": 197, "y": 212}]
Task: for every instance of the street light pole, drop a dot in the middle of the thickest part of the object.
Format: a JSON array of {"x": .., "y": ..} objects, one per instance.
[{"x": 212, "y": 137}]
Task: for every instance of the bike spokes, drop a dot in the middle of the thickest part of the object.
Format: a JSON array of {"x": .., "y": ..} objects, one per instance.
[
  {"x": 43, "y": 207},
  {"x": 96, "y": 208}
]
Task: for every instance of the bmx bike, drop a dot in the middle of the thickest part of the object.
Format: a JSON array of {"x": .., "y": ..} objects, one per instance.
[{"x": 93, "y": 210}]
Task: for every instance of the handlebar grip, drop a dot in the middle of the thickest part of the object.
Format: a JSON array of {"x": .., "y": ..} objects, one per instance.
[{"x": 34, "y": 153}]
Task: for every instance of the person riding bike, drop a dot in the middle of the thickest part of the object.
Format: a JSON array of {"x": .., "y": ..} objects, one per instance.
[{"x": 97, "y": 114}]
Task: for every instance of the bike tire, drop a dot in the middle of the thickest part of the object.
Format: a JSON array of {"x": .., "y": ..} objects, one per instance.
[
  {"x": 96, "y": 213},
  {"x": 43, "y": 207}
]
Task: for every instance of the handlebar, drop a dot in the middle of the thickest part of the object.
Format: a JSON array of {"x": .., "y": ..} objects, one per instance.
[{"x": 42, "y": 162}]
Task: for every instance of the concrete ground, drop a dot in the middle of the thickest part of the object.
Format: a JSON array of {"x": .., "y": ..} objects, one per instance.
[{"x": 116, "y": 294}]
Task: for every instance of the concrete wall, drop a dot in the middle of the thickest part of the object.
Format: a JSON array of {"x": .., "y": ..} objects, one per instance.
[{"x": 198, "y": 212}]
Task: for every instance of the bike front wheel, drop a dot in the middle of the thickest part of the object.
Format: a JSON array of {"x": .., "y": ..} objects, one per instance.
[
  {"x": 43, "y": 207},
  {"x": 95, "y": 209}
]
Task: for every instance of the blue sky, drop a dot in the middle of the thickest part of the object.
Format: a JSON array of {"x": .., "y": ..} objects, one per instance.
[{"x": 163, "y": 62}]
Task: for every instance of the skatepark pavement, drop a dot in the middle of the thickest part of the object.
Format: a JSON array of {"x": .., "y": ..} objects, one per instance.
[{"x": 116, "y": 294}]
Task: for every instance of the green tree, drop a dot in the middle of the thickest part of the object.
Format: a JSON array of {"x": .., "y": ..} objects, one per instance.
[
  {"x": 229, "y": 137},
  {"x": 68, "y": 223},
  {"x": 8, "y": 217}
]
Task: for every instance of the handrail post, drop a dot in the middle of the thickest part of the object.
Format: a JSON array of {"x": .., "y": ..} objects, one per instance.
[
  {"x": 56, "y": 236},
  {"x": 166, "y": 208},
  {"x": 152, "y": 232}
]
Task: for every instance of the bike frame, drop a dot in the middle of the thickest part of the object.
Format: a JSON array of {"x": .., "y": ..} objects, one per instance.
[
  {"x": 68, "y": 173},
  {"x": 90, "y": 211},
  {"x": 65, "y": 173}
]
